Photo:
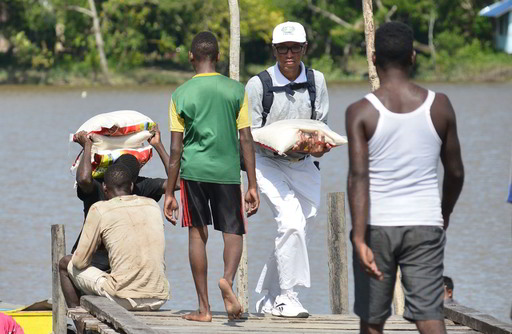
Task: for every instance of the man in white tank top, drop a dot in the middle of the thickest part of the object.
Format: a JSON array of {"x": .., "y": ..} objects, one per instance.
[{"x": 396, "y": 137}]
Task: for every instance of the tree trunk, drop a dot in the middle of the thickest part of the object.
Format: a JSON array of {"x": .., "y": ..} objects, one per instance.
[
  {"x": 369, "y": 33},
  {"x": 99, "y": 41},
  {"x": 431, "y": 45}
]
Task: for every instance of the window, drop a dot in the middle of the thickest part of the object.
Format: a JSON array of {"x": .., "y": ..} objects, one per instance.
[{"x": 503, "y": 24}]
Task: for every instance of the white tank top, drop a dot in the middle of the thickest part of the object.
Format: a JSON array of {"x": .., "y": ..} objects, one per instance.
[{"x": 403, "y": 159}]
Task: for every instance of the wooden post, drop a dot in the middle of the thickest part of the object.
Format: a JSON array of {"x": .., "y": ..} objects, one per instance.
[
  {"x": 58, "y": 302},
  {"x": 369, "y": 35},
  {"x": 242, "y": 280},
  {"x": 398, "y": 294},
  {"x": 234, "y": 40},
  {"x": 337, "y": 254}
]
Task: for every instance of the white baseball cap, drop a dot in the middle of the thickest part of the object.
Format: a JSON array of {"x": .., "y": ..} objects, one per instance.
[{"x": 289, "y": 32}]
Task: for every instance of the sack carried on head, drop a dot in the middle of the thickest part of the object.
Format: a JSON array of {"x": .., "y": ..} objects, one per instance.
[
  {"x": 281, "y": 136},
  {"x": 113, "y": 134},
  {"x": 117, "y": 123},
  {"x": 101, "y": 160}
]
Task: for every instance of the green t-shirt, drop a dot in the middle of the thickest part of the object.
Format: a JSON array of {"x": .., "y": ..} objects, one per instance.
[{"x": 210, "y": 109}]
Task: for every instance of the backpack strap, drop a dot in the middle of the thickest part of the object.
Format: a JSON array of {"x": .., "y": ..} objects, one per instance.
[
  {"x": 311, "y": 90},
  {"x": 268, "y": 95},
  {"x": 269, "y": 89}
]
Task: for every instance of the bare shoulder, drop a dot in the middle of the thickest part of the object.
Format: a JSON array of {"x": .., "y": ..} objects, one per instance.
[
  {"x": 442, "y": 115},
  {"x": 442, "y": 104},
  {"x": 361, "y": 112},
  {"x": 359, "y": 108}
]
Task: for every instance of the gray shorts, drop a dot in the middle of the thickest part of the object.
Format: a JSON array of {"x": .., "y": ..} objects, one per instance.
[{"x": 419, "y": 251}]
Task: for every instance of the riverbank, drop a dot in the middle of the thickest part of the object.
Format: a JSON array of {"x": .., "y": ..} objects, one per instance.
[{"x": 355, "y": 70}]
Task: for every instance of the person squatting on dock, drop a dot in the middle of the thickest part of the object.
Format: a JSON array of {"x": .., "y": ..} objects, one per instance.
[
  {"x": 291, "y": 183},
  {"x": 396, "y": 136},
  {"x": 90, "y": 190},
  {"x": 125, "y": 224},
  {"x": 206, "y": 115}
]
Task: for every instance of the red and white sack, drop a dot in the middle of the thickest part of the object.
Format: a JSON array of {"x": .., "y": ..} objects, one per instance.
[
  {"x": 101, "y": 160},
  {"x": 117, "y": 123},
  {"x": 113, "y": 134}
]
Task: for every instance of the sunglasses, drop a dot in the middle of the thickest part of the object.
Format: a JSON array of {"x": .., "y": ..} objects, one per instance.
[{"x": 282, "y": 49}]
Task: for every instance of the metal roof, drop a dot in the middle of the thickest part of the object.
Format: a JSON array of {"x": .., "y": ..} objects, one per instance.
[{"x": 497, "y": 9}]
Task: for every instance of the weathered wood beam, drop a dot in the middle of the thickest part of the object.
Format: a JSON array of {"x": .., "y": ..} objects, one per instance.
[
  {"x": 242, "y": 279},
  {"x": 234, "y": 40},
  {"x": 108, "y": 311},
  {"x": 476, "y": 320},
  {"x": 337, "y": 254},
  {"x": 58, "y": 301}
]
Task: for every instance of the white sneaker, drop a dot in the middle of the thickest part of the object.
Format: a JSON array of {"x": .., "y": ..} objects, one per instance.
[
  {"x": 289, "y": 306},
  {"x": 265, "y": 304}
]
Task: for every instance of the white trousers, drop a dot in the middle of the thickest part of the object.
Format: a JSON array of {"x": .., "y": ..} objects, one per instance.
[{"x": 292, "y": 190}]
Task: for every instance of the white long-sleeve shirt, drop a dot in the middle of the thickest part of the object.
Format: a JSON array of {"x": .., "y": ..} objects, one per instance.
[{"x": 286, "y": 106}]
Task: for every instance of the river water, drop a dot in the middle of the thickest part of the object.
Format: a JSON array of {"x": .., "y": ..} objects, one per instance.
[{"x": 37, "y": 191}]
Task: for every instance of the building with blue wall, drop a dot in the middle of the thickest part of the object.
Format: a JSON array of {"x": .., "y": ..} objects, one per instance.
[{"x": 501, "y": 12}]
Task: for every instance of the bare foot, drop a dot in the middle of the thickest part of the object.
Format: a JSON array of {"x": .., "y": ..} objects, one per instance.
[
  {"x": 233, "y": 307},
  {"x": 198, "y": 316}
]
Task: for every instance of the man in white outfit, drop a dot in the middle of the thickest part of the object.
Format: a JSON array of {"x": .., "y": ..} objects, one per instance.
[{"x": 291, "y": 183}]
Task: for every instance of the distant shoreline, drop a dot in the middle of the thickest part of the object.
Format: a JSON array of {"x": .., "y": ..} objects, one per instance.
[{"x": 163, "y": 77}]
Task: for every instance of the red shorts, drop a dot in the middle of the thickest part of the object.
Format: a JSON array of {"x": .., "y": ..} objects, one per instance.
[{"x": 202, "y": 201}]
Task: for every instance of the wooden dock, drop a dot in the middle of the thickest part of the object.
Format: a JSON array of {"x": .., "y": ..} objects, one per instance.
[{"x": 102, "y": 316}]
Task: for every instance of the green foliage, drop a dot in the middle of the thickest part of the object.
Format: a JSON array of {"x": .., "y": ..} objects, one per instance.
[
  {"x": 449, "y": 42},
  {"x": 23, "y": 48},
  {"x": 56, "y": 36},
  {"x": 30, "y": 55},
  {"x": 326, "y": 65}
]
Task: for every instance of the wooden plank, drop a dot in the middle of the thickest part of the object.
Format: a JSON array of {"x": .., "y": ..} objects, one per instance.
[
  {"x": 58, "y": 301},
  {"x": 277, "y": 327},
  {"x": 105, "y": 329},
  {"x": 169, "y": 321},
  {"x": 73, "y": 313},
  {"x": 108, "y": 311},
  {"x": 168, "y": 330},
  {"x": 476, "y": 320},
  {"x": 337, "y": 254},
  {"x": 91, "y": 324}
]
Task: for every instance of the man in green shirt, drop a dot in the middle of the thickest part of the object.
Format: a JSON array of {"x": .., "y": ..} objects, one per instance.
[{"x": 206, "y": 115}]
